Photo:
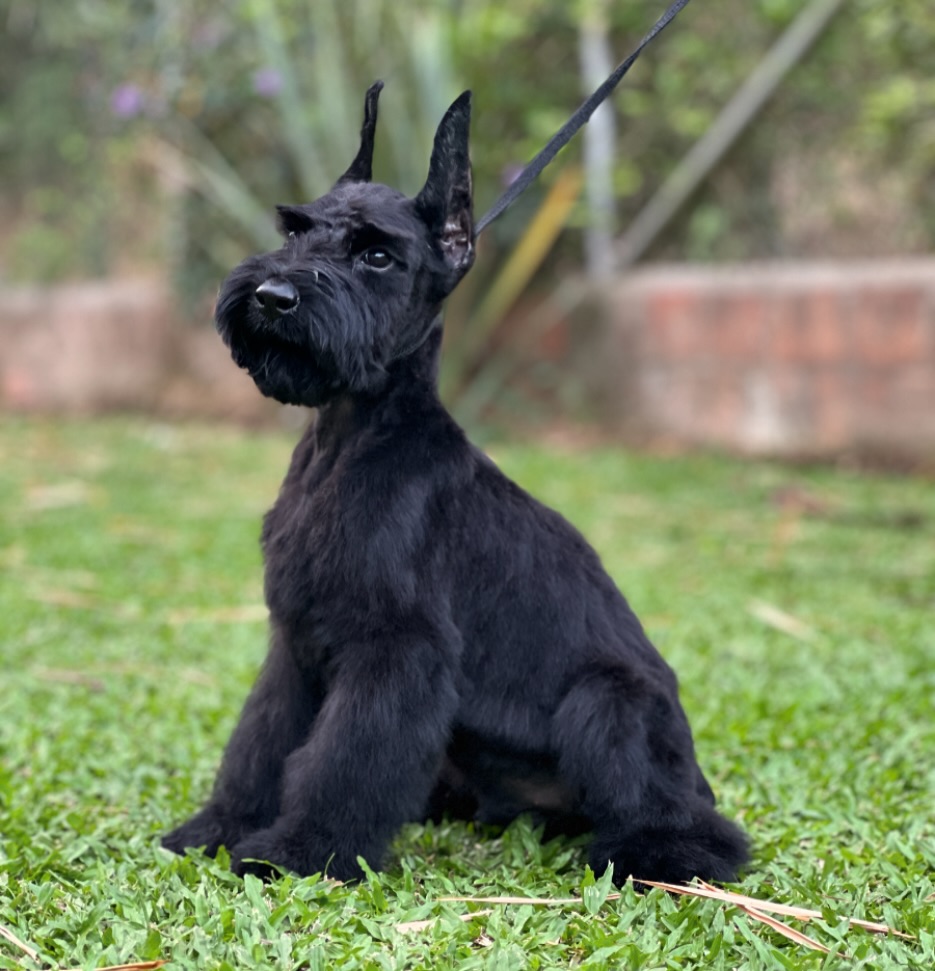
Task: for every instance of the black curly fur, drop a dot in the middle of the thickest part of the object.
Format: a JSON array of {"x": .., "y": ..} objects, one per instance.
[{"x": 441, "y": 642}]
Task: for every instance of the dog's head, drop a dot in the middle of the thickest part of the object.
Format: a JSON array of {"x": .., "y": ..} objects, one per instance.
[{"x": 360, "y": 277}]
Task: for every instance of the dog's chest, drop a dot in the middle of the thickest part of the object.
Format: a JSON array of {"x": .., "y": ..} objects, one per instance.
[
  {"x": 301, "y": 552},
  {"x": 322, "y": 543}
]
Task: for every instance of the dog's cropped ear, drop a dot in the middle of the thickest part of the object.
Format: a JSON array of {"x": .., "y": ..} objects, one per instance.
[
  {"x": 445, "y": 202},
  {"x": 361, "y": 169}
]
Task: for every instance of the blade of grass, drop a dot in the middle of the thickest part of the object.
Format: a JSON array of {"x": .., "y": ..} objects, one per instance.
[
  {"x": 703, "y": 890},
  {"x": 309, "y": 165},
  {"x": 780, "y": 620},
  {"x": 138, "y": 966},
  {"x": 409, "y": 926},
  {"x": 789, "y": 932},
  {"x": 213, "y": 177},
  {"x": 16, "y": 942},
  {"x": 741, "y": 900},
  {"x": 531, "y": 901}
]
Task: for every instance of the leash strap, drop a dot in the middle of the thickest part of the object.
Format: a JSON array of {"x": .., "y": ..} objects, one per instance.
[{"x": 580, "y": 118}]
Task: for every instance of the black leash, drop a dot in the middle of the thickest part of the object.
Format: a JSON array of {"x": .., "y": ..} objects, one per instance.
[{"x": 580, "y": 118}]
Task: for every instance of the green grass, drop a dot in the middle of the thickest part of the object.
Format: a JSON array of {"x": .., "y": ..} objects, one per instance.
[{"x": 130, "y": 592}]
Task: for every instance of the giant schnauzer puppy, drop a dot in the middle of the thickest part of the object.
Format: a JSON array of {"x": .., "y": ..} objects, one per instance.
[{"x": 441, "y": 642}]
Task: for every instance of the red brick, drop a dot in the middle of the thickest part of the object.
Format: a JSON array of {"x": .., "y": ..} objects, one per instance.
[
  {"x": 671, "y": 394},
  {"x": 872, "y": 389},
  {"x": 833, "y": 408},
  {"x": 810, "y": 327},
  {"x": 891, "y": 327},
  {"x": 724, "y": 409},
  {"x": 737, "y": 326},
  {"x": 912, "y": 392},
  {"x": 792, "y": 393},
  {"x": 675, "y": 324},
  {"x": 786, "y": 330},
  {"x": 896, "y": 404},
  {"x": 826, "y": 326},
  {"x": 826, "y": 357}
]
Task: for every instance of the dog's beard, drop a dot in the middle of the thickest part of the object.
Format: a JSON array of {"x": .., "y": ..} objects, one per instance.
[{"x": 328, "y": 344}]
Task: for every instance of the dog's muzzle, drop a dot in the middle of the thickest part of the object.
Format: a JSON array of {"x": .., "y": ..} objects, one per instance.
[{"x": 276, "y": 296}]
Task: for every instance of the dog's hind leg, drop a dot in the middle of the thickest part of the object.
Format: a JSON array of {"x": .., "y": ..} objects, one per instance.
[{"x": 625, "y": 746}]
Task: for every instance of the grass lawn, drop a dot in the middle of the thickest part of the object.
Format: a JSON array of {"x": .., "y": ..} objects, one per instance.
[{"x": 797, "y": 605}]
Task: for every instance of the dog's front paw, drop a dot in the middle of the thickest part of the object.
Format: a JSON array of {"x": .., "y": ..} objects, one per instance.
[
  {"x": 303, "y": 850},
  {"x": 261, "y": 853},
  {"x": 208, "y": 828}
]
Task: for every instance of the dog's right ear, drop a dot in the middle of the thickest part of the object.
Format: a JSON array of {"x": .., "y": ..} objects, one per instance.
[
  {"x": 361, "y": 169},
  {"x": 445, "y": 202}
]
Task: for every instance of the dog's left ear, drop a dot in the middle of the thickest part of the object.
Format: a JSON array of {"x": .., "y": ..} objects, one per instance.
[
  {"x": 445, "y": 202},
  {"x": 361, "y": 169}
]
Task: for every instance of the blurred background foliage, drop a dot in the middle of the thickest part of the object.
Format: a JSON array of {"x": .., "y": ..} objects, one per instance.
[{"x": 140, "y": 134}]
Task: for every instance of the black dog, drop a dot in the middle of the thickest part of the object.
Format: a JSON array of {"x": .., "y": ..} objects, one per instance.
[{"x": 441, "y": 642}]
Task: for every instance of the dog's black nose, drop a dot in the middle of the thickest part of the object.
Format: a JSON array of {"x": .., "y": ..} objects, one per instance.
[{"x": 277, "y": 296}]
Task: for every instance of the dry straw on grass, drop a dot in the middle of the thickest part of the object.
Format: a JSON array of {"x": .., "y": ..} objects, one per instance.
[{"x": 759, "y": 910}]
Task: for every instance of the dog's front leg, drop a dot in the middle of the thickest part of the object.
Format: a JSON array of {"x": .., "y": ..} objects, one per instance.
[
  {"x": 275, "y": 720},
  {"x": 370, "y": 762}
]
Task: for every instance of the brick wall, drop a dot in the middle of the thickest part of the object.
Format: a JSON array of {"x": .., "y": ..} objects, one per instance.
[
  {"x": 780, "y": 359},
  {"x": 83, "y": 348},
  {"x": 786, "y": 359}
]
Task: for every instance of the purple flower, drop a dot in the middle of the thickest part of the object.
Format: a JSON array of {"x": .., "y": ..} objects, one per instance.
[
  {"x": 126, "y": 101},
  {"x": 267, "y": 82}
]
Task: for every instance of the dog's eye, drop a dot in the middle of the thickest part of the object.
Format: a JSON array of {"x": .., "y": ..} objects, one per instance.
[{"x": 376, "y": 258}]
